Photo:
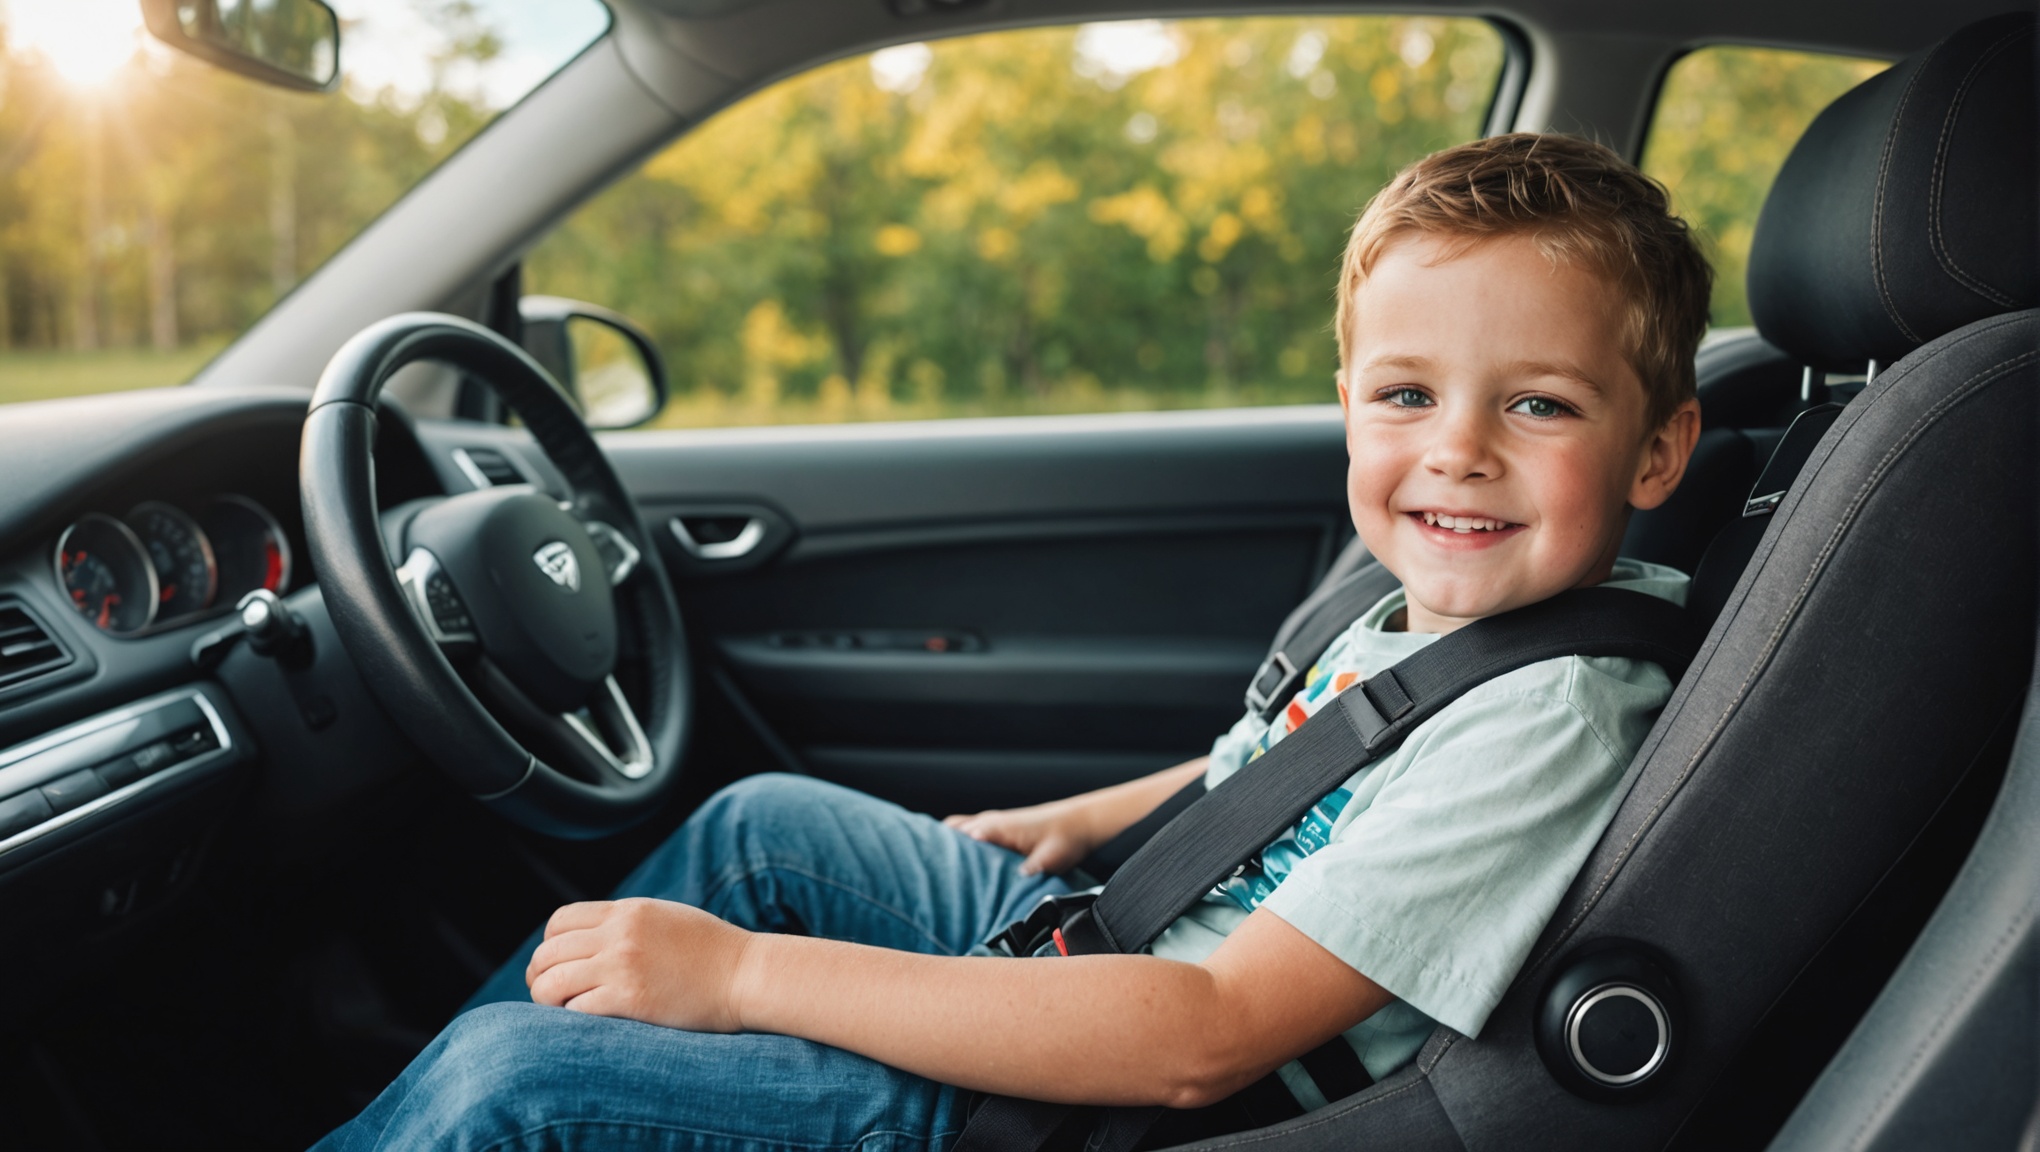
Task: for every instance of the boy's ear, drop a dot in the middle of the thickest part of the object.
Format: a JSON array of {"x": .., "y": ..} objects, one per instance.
[{"x": 1665, "y": 456}]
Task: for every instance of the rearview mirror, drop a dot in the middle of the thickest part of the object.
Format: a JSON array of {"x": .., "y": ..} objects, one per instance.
[
  {"x": 605, "y": 362},
  {"x": 288, "y": 43}
]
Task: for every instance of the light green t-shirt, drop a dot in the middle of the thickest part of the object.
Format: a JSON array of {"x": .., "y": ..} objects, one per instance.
[{"x": 1433, "y": 870}]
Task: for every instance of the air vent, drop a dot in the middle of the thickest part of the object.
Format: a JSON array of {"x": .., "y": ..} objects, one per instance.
[
  {"x": 27, "y": 649},
  {"x": 487, "y": 468}
]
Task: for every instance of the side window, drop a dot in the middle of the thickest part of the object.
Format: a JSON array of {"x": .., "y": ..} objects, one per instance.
[
  {"x": 1725, "y": 121},
  {"x": 1108, "y": 217}
]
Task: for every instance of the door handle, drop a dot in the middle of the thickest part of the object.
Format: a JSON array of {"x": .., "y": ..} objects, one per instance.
[{"x": 742, "y": 544}]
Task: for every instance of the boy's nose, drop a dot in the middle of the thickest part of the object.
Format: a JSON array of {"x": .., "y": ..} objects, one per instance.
[{"x": 1461, "y": 449}]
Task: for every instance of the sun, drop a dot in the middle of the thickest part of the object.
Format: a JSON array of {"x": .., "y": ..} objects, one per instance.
[{"x": 86, "y": 41}]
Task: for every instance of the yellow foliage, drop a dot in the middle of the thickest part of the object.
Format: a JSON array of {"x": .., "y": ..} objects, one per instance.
[
  {"x": 771, "y": 346},
  {"x": 1224, "y": 232},
  {"x": 1042, "y": 185},
  {"x": 997, "y": 244},
  {"x": 1147, "y": 214},
  {"x": 896, "y": 240}
]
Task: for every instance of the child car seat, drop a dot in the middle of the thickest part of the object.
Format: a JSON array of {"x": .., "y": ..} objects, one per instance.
[{"x": 1870, "y": 659}]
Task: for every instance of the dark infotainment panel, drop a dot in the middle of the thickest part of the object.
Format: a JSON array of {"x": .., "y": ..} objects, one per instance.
[{"x": 71, "y": 775}]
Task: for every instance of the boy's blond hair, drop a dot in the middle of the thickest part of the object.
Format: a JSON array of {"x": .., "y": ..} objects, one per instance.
[{"x": 1581, "y": 203}]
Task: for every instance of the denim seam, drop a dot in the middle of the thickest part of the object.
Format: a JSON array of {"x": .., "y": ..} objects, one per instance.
[{"x": 726, "y": 882}]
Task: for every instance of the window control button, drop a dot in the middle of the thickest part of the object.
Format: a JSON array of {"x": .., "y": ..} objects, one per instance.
[
  {"x": 68, "y": 792},
  {"x": 19, "y": 813}
]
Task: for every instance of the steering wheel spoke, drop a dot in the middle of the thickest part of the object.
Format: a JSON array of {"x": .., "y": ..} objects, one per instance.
[
  {"x": 620, "y": 557},
  {"x": 611, "y": 731},
  {"x": 600, "y": 739}
]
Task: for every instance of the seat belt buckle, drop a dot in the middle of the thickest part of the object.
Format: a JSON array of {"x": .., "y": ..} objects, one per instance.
[
  {"x": 1274, "y": 682},
  {"x": 1041, "y": 930}
]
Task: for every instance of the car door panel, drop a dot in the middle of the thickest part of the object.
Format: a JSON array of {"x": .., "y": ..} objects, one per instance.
[{"x": 989, "y": 612}]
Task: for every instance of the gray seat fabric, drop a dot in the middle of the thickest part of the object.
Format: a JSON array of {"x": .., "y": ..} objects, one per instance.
[
  {"x": 1949, "y": 1057},
  {"x": 1872, "y": 656}
]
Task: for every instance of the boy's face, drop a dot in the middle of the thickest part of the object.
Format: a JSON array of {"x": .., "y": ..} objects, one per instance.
[{"x": 1496, "y": 430}]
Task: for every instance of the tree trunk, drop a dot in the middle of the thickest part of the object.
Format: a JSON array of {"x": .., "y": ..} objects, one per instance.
[
  {"x": 282, "y": 203},
  {"x": 85, "y": 301},
  {"x": 162, "y": 278}
]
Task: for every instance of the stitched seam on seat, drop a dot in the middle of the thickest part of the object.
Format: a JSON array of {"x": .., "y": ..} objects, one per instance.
[
  {"x": 1877, "y": 210},
  {"x": 1939, "y": 246},
  {"x": 1928, "y": 419},
  {"x": 1859, "y": 1139}
]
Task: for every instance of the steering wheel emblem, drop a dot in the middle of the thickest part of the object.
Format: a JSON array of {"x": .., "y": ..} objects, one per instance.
[{"x": 557, "y": 561}]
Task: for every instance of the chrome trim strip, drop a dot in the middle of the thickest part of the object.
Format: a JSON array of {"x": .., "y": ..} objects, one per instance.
[
  {"x": 126, "y": 792},
  {"x": 636, "y": 761}
]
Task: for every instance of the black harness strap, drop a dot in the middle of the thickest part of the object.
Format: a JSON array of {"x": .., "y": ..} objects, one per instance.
[
  {"x": 1250, "y": 810},
  {"x": 1309, "y": 630},
  {"x": 1231, "y": 823}
]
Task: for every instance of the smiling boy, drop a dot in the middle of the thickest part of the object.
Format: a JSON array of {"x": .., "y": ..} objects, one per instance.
[{"x": 1517, "y": 319}]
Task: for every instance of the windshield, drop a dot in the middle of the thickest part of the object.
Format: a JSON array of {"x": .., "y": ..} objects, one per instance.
[{"x": 152, "y": 207}]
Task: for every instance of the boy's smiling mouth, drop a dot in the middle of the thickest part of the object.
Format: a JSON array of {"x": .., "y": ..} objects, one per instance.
[{"x": 1464, "y": 523}]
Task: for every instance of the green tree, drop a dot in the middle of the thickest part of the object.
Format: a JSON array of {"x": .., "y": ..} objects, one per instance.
[
  {"x": 1726, "y": 119},
  {"x": 1016, "y": 227}
]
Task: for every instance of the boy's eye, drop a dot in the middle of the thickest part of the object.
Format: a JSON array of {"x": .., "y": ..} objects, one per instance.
[
  {"x": 1406, "y": 397},
  {"x": 1542, "y": 407}
]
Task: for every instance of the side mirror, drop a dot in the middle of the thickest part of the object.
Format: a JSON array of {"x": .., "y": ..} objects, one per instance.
[
  {"x": 605, "y": 362},
  {"x": 288, "y": 43}
]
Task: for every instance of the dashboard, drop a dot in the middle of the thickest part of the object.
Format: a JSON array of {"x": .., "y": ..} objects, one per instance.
[
  {"x": 130, "y": 528},
  {"x": 161, "y": 566}
]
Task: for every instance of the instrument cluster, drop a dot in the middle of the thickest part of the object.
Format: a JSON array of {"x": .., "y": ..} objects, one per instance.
[{"x": 161, "y": 564}]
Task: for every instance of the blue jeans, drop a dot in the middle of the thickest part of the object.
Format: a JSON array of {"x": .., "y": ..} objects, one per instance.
[{"x": 771, "y": 853}]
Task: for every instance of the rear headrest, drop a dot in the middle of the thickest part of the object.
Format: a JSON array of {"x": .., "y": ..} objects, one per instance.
[{"x": 1908, "y": 208}]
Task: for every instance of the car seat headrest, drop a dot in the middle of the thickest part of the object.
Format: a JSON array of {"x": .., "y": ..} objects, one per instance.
[{"x": 1906, "y": 210}]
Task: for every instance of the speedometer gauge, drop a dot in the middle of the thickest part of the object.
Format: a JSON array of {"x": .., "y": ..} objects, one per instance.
[
  {"x": 106, "y": 573},
  {"x": 249, "y": 545},
  {"x": 186, "y": 576}
]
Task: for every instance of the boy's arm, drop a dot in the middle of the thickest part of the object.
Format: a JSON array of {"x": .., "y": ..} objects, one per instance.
[
  {"x": 1056, "y": 836},
  {"x": 1082, "y": 1030}
]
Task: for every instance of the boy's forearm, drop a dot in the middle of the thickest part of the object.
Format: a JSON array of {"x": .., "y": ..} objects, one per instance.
[
  {"x": 1109, "y": 811},
  {"x": 1091, "y": 1029}
]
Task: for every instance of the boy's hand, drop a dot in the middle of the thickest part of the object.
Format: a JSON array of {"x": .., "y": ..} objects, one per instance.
[
  {"x": 1052, "y": 837},
  {"x": 652, "y": 960}
]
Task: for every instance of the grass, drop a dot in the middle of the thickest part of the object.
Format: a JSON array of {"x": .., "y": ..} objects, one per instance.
[
  {"x": 43, "y": 375},
  {"x": 710, "y": 409}
]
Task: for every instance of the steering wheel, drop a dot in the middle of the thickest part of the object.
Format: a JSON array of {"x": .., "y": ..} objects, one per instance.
[{"x": 504, "y": 593}]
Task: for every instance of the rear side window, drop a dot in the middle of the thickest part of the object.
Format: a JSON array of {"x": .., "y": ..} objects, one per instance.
[
  {"x": 1106, "y": 217},
  {"x": 1725, "y": 121}
]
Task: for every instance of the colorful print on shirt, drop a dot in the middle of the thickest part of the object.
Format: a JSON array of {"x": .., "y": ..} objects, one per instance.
[{"x": 1259, "y": 876}]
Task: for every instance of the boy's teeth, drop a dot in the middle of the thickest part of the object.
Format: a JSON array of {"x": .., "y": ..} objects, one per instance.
[{"x": 1463, "y": 523}]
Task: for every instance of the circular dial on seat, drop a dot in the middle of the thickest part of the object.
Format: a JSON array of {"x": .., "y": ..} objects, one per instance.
[
  {"x": 186, "y": 576},
  {"x": 107, "y": 574}
]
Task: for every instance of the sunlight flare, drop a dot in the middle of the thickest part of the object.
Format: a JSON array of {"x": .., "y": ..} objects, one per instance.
[{"x": 86, "y": 41}]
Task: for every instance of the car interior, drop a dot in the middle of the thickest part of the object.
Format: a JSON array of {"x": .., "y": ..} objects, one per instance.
[{"x": 256, "y": 848}]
